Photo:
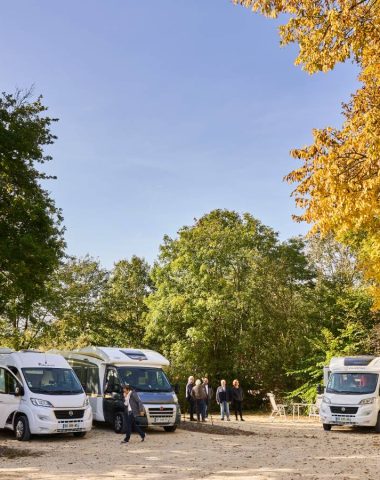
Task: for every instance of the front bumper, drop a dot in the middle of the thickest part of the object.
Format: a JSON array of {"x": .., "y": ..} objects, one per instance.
[
  {"x": 160, "y": 415},
  {"x": 44, "y": 421},
  {"x": 365, "y": 416}
]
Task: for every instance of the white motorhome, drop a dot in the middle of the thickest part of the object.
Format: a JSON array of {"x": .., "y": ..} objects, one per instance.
[
  {"x": 352, "y": 393},
  {"x": 40, "y": 394},
  {"x": 103, "y": 371}
]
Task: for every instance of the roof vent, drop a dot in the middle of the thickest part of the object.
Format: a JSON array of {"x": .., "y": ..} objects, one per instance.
[
  {"x": 358, "y": 361},
  {"x": 134, "y": 354}
]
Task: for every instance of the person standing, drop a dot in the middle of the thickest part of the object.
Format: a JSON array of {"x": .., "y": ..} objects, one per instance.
[
  {"x": 237, "y": 399},
  {"x": 189, "y": 398},
  {"x": 223, "y": 398},
  {"x": 132, "y": 408},
  {"x": 199, "y": 395},
  {"x": 209, "y": 395}
]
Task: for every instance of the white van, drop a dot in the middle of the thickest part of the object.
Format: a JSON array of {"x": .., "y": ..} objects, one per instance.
[
  {"x": 39, "y": 394},
  {"x": 103, "y": 371},
  {"x": 351, "y": 396}
]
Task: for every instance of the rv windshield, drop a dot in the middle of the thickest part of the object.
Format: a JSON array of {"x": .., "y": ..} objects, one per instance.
[
  {"x": 52, "y": 381},
  {"x": 352, "y": 383},
  {"x": 145, "y": 379}
]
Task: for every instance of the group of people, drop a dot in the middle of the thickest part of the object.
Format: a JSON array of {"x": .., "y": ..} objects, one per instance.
[{"x": 199, "y": 395}]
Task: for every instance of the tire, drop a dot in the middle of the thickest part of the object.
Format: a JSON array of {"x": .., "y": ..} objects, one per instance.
[
  {"x": 170, "y": 428},
  {"x": 377, "y": 426},
  {"x": 327, "y": 427},
  {"x": 79, "y": 434},
  {"x": 22, "y": 430},
  {"x": 118, "y": 422}
]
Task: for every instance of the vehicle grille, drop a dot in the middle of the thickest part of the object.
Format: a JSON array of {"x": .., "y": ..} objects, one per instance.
[
  {"x": 68, "y": 414},
  {"x": 161, "y": 412},
  {"x": 344, "y": 410}
]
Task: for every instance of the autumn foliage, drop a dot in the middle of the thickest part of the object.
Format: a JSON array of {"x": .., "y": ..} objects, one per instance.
[{"x": 338, "y": 183}]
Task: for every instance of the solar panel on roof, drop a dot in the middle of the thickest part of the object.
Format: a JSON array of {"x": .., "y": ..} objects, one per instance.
[{"x": 358, "y": 361}]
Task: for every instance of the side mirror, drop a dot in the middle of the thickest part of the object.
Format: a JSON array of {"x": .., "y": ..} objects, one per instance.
[
  {"x": 320, "y": 389},
  {"x": 19, "y": 391},
  {"x": 176, "y": 388}
]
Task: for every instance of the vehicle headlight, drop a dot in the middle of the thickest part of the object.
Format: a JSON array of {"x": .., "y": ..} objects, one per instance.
[
  {"x": 38, "y": 402},
  {"x": 175, "y": 398},
  {"x": 86, "y": 402},
  {"x": 326, "y": 399},
  {"x": 367, "y": 401}
]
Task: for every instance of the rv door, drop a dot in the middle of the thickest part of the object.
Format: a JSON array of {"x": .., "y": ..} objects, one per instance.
[{"x": 10, "y": 390}]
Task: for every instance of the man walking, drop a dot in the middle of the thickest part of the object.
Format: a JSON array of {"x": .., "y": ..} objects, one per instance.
[{"x": 132, "y": 408}]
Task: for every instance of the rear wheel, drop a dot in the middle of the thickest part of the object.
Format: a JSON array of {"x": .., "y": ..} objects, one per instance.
[
  {"x": 377, "y": 426},
  {"x": 170, "y": 428},
  {"x": 79, "y": 434},
  {"x": 327, "y": 427},
  {"x": 22, "y": 430},
  {"x": 118, "y": 422}
]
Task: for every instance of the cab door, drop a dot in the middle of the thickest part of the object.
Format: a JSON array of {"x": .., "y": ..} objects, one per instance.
[
  {"x": 113, "y": 398},
  {"x": 9, "y": 397}
]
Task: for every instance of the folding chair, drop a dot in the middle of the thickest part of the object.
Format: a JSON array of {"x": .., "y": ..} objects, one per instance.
[
  {"x": 278, "y": 409},
  {"x": 314, "y": 407}
]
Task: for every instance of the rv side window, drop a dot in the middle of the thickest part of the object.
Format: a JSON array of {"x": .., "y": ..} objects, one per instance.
[
  {"x": 7, "y": 382},
  {"x": 88, "y": 377}
]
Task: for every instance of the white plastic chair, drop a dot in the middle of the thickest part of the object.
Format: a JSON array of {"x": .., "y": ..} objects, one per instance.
[
  {"x": 278, "y": 409},
  {"x": 314, "y": 407}
]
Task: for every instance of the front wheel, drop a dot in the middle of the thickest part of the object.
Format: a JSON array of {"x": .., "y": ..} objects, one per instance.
[
  {"x": 170, "y": 428},
  {"x": 79, "y": 434},
  {"x": 326, "y": 427},
  {"x": 22, "y": 430},
  {"x": 377, "y": 426},
  {"x": 118, "y": 422}
]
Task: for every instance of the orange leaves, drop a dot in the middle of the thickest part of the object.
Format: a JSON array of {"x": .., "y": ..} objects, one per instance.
[{"x": 338, "y": 183}]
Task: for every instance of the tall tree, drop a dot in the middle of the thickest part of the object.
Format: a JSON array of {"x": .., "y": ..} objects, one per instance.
[
  {"x": 339, "y": 179},
  {"x": 124, "y": 304},
  {"x": 227, "y": 300},
  {"x": 31, "y": 235},
  {"x": 77, "y": 314}
]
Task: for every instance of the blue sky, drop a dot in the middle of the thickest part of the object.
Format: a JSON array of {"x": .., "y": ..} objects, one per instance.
[{"x": 168, "y": 109}]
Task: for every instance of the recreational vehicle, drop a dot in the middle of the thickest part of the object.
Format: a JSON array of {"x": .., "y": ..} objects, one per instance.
[
  {"x": 352, "y": 393},
  {"x": 104, "y": 370},
  {"x": 40, "y": 394}
]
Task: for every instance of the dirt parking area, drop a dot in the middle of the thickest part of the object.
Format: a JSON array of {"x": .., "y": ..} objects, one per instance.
[{"x": 256, "y": 449}]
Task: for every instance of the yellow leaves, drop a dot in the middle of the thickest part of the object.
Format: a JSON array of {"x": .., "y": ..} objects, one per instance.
[{"x": 338, "y": 183}]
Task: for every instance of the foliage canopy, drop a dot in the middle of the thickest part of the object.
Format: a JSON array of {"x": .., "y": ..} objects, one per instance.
[{"x": 339, "y": 180}]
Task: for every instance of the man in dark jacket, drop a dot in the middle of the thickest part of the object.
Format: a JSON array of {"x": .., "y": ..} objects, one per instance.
[
  {"x": 132, "y": 408},
  {"x": 237, "y": 399},
  {"x": 210, "y": 393},
  {"x": 189, "y": 398},
  {"x": 223, "y": 399}
]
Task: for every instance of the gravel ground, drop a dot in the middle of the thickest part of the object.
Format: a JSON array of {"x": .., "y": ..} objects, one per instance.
[{"x": 256, "y": 449}]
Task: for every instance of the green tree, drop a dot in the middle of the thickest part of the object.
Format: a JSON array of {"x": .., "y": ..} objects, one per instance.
[
  {"x": 341, "y": 306},
  {"x": 124, "y": 304},
  {"x": 228, "y": 300},
  {"x": 77, "y": 313},
  {"x": 31, "y": 235}
]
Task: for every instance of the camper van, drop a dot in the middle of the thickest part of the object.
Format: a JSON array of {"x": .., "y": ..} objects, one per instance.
[
  {"x": 104, "y": 370},
  {"x": 351, "y": 393},
  {"x": 39, "y": 394}
]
